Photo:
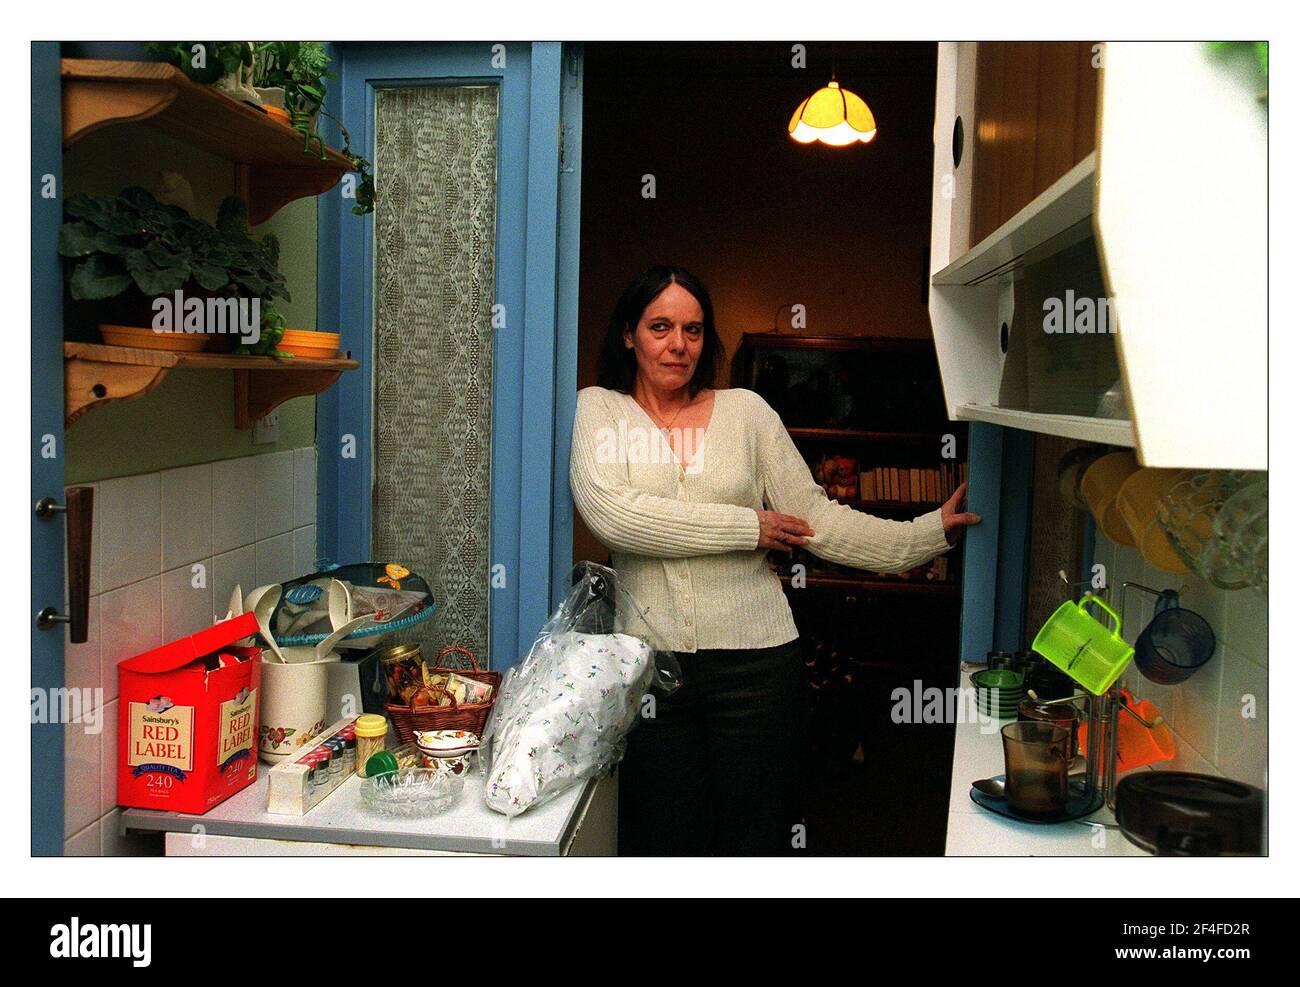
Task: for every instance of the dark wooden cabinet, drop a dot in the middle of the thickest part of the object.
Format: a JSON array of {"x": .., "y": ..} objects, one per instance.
[{"x": 1035, "y": 118}]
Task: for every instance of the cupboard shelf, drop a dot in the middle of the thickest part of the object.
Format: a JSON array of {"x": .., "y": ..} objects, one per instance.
[
  {"x": 1112, "y": 431},
  {"x": 274, "y": 169},
  {"x": 1061, "y": 208},
  {"x": 95, "y": 375}
]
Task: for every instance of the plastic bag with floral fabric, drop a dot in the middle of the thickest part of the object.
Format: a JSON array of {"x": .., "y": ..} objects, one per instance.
[{"x": 563, "y": 714}]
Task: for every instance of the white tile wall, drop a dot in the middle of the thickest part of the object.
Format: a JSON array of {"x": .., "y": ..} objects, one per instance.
[
  {"x": 275, "y": 559},
  {"x": 168, "y": 549},
  {"x": 187, "y": 599},
  {"x": 273, "y": 480},
  {"x": 186, "y": 495},
  {"x": 1206, "y": 712},
  {"x": 128, "y": 515},
  {"x": 304, "y": 487},
  {"x": 235, "y": 568},
  {"x": 234, "y": 504}
]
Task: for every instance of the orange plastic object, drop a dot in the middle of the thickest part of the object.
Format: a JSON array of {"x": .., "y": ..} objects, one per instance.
[
  {"x": 1138, "y": 745},
  {"x": 307, "y": 343}
]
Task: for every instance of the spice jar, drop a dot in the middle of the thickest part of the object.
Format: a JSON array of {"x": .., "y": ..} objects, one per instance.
[
  {"x": 349, "y": 735},
  {"x": 318, "y": 764},
  {"x": 336, "y": 746},
  {"x": 372, "y": 734}
]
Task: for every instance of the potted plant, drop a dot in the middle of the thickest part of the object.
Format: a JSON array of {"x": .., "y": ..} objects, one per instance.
[
  {"x": 292, "y": 74},
  {"x": 224, "y": 65},
  {"x": 133, "y": 257}
]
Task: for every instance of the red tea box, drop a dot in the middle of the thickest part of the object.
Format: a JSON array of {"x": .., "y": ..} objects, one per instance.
[{"x": 187, "y": 720}]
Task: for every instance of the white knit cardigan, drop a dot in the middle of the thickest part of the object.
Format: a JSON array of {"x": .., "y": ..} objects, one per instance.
[{"x": 684, "y": 540}]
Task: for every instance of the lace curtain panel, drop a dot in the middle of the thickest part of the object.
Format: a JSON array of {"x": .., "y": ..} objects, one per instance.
[{"x": 435, "y": 220}]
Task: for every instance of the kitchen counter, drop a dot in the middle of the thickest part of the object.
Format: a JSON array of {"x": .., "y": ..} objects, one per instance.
[
  {"x": 976, "y": 832},
  {"x": 241, "y": 824}
]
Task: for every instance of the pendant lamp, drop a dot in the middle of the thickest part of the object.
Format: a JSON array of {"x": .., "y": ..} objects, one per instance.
[{"x": 834, "y": 116}]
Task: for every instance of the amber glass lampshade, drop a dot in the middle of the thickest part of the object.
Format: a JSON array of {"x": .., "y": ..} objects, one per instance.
[{"x": 833, "y": 116}]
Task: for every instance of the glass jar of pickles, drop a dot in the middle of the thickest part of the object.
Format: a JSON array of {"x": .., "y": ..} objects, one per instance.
[{"x": 372, "y": 736}]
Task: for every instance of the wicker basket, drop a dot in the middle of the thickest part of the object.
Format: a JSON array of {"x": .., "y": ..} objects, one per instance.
[{"x": 408, "y": 720}]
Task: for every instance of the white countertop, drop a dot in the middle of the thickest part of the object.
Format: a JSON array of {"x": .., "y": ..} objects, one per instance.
[
  {"x": 976, "y": 832},
  {"x": 469, "y": 826}
]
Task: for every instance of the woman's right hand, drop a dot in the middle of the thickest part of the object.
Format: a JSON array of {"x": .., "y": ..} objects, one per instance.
[{"x": 781, "y": 531}]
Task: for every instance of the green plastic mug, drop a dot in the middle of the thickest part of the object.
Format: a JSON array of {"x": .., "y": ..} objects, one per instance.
[{"x": 1082, "y": 647}]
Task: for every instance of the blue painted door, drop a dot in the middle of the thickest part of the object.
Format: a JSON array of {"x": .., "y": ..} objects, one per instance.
[
  {"x": 534, "y": 359},
  {"x": 47, "y": 448}
]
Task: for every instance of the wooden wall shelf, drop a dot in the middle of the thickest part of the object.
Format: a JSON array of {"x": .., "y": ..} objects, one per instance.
[
  {"x": 274, "y": 170},
  {"x": 95, "y": 374}
]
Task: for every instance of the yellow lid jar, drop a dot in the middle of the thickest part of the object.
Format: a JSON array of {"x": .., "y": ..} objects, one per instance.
[{"x": 372, "y": 737}]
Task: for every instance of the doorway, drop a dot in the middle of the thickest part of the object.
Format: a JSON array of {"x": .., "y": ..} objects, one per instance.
[
  {"x": 442, "y": 449},
  {"x": 686, "y": 161}
]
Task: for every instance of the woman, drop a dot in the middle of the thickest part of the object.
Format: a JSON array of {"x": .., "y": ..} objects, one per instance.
[{"x": 689, "y": 487}]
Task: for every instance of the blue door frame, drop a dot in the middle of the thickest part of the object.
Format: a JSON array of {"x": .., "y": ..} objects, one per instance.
[
  {"x": 995, "y": 572},
  {"x": 535, "y": 355},
  {"x": 47, "y": 436}
]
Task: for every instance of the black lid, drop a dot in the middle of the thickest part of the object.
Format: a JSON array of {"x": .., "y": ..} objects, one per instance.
[{"x": 1181, "y": 813}]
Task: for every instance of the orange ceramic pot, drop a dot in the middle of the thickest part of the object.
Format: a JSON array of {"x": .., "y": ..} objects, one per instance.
[{"x": 143, "y": 337}]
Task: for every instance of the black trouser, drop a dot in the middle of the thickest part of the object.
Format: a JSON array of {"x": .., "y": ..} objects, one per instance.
[{"x": 719, "y": 768}]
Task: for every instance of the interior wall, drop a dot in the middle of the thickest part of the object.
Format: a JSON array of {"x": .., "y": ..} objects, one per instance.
[
  {"x": 762, "y": 220},
  {"x": 186, "y": 506},
  {"x": 168, "y": 549},
  {"x": 190, "y": 418},
  {"x": 1220, "y": 715}
]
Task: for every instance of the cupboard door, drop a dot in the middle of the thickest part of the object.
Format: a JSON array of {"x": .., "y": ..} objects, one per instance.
[
  {"x": 1035, "y": 109},
  {"x": 1184, "y": 238},
  {"x": 954, "y": 141},
  {"x": 990, "y": 133}
]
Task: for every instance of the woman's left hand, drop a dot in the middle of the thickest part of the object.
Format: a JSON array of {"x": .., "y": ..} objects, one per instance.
[{"x": 954, "y": 518}]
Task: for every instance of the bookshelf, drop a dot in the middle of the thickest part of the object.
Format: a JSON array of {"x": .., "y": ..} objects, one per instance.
[{"x": 867, "y": 414}]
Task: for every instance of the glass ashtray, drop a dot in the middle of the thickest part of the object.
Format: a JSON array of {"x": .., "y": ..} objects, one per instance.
[{"x": 412, "y": 792}]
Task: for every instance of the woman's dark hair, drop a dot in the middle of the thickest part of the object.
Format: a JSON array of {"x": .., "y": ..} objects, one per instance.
[{"x": 618, "y": 363}]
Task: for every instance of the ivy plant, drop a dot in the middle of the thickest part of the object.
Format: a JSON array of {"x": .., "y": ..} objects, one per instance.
[{"x": 301, "y": 68}]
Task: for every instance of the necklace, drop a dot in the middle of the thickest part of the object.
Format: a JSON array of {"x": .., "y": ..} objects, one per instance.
[
  {"x": 667, "y": 430},
  {"x": 659, "y": 421}
]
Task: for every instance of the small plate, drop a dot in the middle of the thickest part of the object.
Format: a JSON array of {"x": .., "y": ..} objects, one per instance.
[{"x": 1078, "y": 804}]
